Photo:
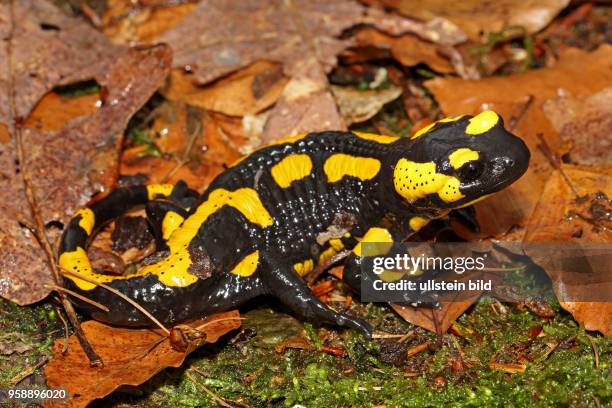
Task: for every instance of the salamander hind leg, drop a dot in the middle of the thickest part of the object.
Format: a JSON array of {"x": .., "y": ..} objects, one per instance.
[{"x": 284, "y": 284}]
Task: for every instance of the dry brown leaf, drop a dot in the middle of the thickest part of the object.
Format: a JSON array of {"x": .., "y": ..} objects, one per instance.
[
  {"x": 131, "y": 357},
  {"x": 244, "y": 92},
  {"x": 435, "y": 320},
  {"x": 478, "y": 18},
  {"x": 73, "y": 155},
  {"x": 358, "y": 106},
  {"x": 584, "y": 123},
  {"x": 510, "y": 96},
  {"x": 560, "y": 217},
  {"x": 129, "y": 22},
  {"x": 216, "y": 144},
  {"x": 302, "y": 35},
  {"x": 408, "y": 49}
]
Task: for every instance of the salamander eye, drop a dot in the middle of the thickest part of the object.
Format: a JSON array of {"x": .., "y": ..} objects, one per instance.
[{"x": 471, "y": 170}]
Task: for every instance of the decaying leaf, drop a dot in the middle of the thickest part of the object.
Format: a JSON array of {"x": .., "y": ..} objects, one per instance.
[
  {"x": 519, "y": 98},
  {"x": 478, "y": 18},
  {"x": 563, "y": 216},
  {"x": 585, "y": 124},
  {"x": 131, "y": 357},
  {"x": 74, "y": 156}
]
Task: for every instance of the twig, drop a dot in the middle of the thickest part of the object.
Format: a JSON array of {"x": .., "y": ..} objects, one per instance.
[
  {"x": 28, "y": 372},
  {"x": 200, "y": 327},
  {"x": 514, "y": 120},
  {"x": 122, "y": 296},
  {"x": 66, "y": 335},
  {"x": 206, "y": 390},
  {"x": 78, "y": 296},
  {"x": 185, "y": 155},
  {"x": 41, "y": 235},
  {"x": 553, "y": 159}
]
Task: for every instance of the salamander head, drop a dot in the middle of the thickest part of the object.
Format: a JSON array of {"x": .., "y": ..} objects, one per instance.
[{"x": 457, "y": 161}]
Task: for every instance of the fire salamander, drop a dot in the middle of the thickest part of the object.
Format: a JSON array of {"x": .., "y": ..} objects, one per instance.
[{"x": 270, "y": 218}]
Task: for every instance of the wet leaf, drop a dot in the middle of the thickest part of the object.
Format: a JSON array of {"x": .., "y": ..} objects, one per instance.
[
  {"x": 519, "y": 98},
  {"x": 71, "y": 155},
  {"x": 582, "y": 122},
  {"x": 561, "y": 216},
  {"x": 478, "y": 18},
  {"x": 131, "y": 357}
]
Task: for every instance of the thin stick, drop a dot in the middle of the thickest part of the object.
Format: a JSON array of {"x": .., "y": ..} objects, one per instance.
[
  {"x": 122, "y": 296},
  {"x": 58, "y": 310},
  {"x": 41, "y": 235},
  {"x": 78, "y": 296},
  {"x": 209, "y": 392},
  {"x": 28, "y": 372}
]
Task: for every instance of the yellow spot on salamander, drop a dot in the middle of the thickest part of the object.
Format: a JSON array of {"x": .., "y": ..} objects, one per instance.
[
  {"x": 154, "y": 190},
  {"x": 416, "y": 180},
  {"x": 375, "y": 235},
  {"x": 427, "y": 128},
  {"x": 291, "y": 168},
  {"x": 482, "y": 123},
  {"x": 304, "y": 268},
  {"x": 87, "y": 221},
  {"x": 416, "y": 223},
  {"x": 340, "y": 165},
  {"x": 247, "y": 266},
  {"x": 78, "y": 262},
  {"x": 383, "y": 139},
  {"x": 461, "y": 156},
  {"x": 174, "y": 269},
  {"x": 336, "y": 244},
  {"x": 171, "y": 222}
]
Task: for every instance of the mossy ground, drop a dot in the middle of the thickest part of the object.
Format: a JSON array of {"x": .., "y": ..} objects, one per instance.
[{"x": 453, "y": 371}]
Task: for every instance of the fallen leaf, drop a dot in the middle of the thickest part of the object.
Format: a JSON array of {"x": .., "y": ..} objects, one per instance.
[
  {"x": 244, "y": 92},
  {"x": 558, "y": 217},
  {"x": 303, "y": 36},
  {"x": 216, "y": 141},
  {"x": 526, "y": 93},
  {"x": 68, "y": 164},
  {"x": 131, "y": 357},
  {"x": 141, "y": 22},
  {"x": 585, "y": 123},
  {"x": 478, "y": 18},
  {"x": 435, "y": 320},
  {"x": 408, "y": 49},
  {"x": 358, "y": 106}
]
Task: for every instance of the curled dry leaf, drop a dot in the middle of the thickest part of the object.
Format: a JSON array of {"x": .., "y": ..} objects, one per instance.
[
  {"x": 518, "y": 99},
  {"x": 131, "y": 357},
  {"x": 585, "y": 124},
  {"x": 358, "y": 106},
  {"x": 561, "y": 216},
  {"x": 435, "y": 320},
  {"x": 478, "y": 18},
  {"x": 70, "y": 157}
]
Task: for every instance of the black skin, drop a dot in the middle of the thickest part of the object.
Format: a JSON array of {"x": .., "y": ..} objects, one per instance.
[{"x": 307, "y": 208}]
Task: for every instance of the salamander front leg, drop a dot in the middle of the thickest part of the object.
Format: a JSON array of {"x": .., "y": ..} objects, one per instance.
[{"x": 284, "y": 284}]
